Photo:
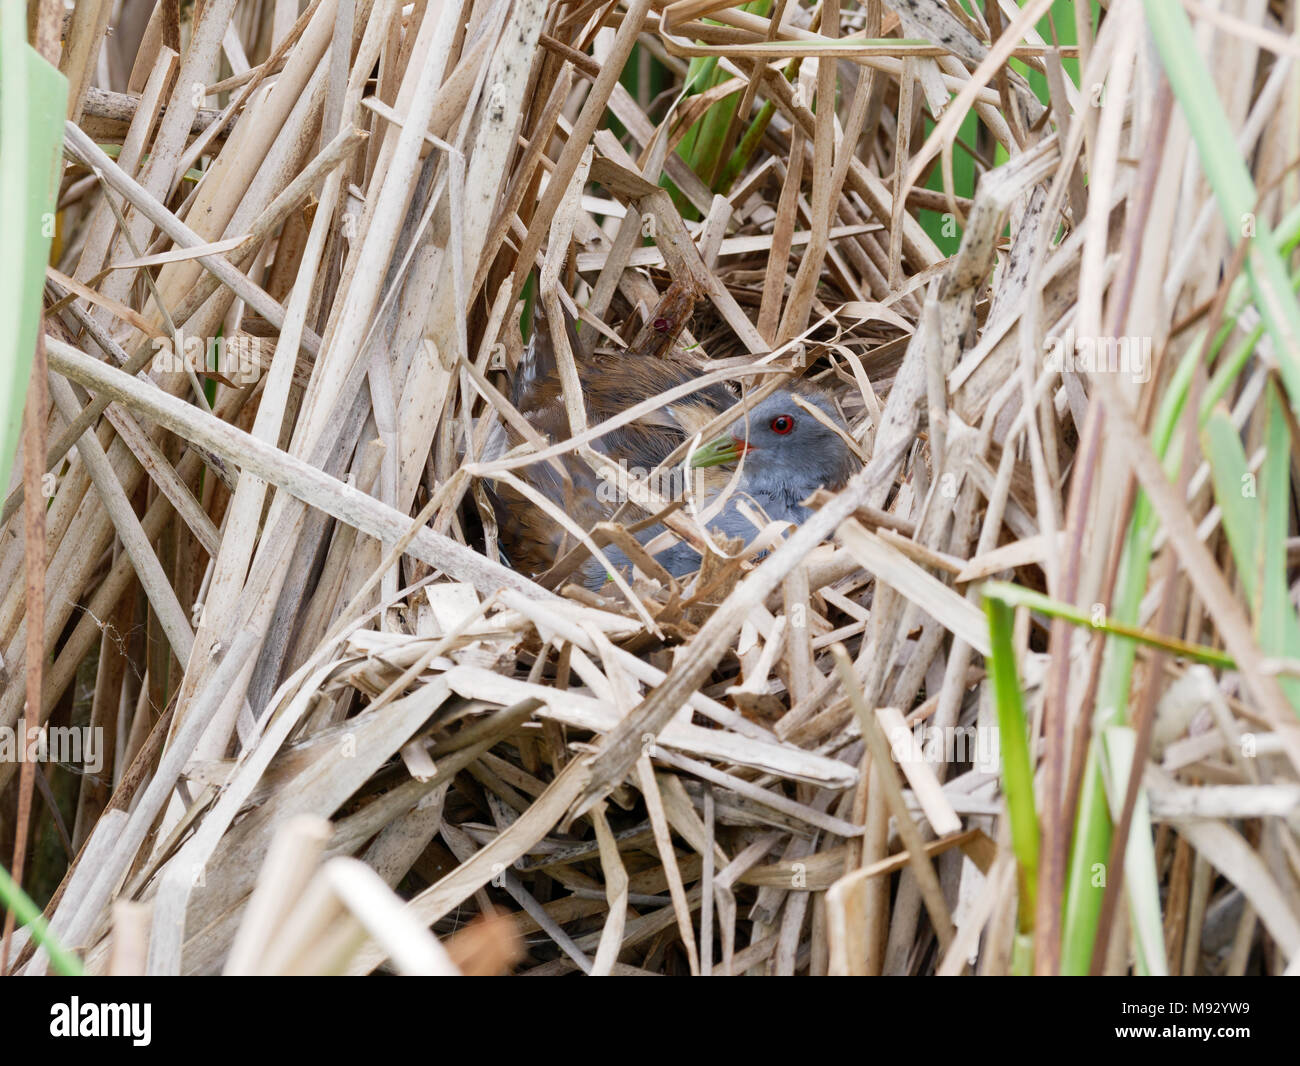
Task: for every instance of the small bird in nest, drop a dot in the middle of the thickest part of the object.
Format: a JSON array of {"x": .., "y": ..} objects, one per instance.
[{"x": 784, "y": 450}]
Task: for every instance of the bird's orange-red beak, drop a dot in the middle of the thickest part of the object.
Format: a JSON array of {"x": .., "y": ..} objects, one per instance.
[{"x": 726, "y": 449}]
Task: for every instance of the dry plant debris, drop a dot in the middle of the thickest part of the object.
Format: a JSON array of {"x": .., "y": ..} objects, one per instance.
[{"x": 1021, "y": 697}]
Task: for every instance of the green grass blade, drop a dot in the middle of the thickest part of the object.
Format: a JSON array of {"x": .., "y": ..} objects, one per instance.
[
  {"x": 1228, "y": 175},
  {"x": 1141, "y": 880},
  {"x": 28, "y": 914},
  {"x": 1256, "y": 514},
  {"x": 33, "y": 101},
  {"x": 1017, "y": 768},
  {"x": 1016, "y": 596}
]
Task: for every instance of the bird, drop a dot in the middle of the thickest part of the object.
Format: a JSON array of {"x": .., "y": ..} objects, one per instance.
[
  {"x": 783, "y": 452},
  {"x": 788, "y": 452}
]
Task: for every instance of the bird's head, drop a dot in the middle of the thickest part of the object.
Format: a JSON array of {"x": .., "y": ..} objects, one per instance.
[{"x": 788, "y": 450}]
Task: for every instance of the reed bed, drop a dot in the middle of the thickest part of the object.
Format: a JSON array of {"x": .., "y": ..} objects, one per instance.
[{"x": 1021, "y": 697}]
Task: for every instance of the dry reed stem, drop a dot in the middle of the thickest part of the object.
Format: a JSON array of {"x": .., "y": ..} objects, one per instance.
[{"x": 671, "y": 775}]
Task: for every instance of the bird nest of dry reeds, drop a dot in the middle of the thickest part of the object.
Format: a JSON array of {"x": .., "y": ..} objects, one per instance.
[{"x": 1021, "y": 697}]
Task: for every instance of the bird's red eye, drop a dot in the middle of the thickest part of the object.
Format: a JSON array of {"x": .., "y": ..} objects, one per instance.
[{"x": 782, "y": 424}]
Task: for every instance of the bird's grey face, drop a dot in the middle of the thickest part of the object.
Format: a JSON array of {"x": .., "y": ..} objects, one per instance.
[{"x": 787, "y": 449}]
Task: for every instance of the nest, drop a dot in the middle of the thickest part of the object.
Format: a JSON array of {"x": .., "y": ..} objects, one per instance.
[{"x": 1048, "y": 628}]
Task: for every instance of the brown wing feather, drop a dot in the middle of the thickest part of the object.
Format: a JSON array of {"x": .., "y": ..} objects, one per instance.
[{"x": 610, "y": 385}]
